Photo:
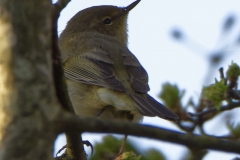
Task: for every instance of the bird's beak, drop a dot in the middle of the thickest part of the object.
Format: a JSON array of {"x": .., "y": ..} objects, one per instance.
[
  {"x": 130, "y": 7},
  {"x": 125, "y": 10}
]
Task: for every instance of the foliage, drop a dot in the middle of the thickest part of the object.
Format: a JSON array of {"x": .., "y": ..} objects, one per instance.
[
  {"x": 215, "y": 93},
  {"x": 171, "y": 95},
  {"x": 109, "y": 148},
  {"x": 234, "y": 129},
  {"x": 233, "y": 72}
]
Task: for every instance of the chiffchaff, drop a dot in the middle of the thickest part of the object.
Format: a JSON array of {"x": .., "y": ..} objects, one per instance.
[{"x": 104, "y": 78}]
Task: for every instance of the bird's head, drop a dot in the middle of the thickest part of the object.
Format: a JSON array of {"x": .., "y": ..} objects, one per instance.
[{"x": 107, "y": 20}]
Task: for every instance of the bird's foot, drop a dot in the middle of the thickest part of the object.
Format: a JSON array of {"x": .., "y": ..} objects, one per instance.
[{"x": 87, "y": 143}]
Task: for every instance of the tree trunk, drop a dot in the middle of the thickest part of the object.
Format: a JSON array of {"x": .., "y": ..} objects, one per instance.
[{"x": 27, "y": 94}]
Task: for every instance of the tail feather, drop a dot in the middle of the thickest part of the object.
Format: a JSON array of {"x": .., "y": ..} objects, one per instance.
[
  {"x": 148, "y": 106},
  {"x": 143, "y": 110}
]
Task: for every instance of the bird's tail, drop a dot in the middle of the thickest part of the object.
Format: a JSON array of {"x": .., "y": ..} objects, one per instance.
[{"x": 148, "y": 106}]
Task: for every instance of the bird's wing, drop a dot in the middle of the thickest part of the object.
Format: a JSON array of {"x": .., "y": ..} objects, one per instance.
[
  {"x": 138, "y": 75},
  {"x": 93, "y": 67},
  {"x": 147, "y": 105}
]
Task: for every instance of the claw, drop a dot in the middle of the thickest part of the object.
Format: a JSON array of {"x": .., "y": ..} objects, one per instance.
[
  {"x": 87, "y": 143},
  {"x": 60, "y": 150}
]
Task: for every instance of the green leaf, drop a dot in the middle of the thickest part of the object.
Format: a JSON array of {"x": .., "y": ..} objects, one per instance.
[
  {"x": 171, "y": 95},
  {"x": 130, "y": 156},
  {"x": 215, "y": 93},
  {"x": 233, "y": 72}
]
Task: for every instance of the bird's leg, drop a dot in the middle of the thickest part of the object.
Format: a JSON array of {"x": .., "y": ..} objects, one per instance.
[
  {"x": 130, "y": 117},
  {"x": 123, "y": 145},
  {"x": 87, "y": 143},
  {"x": 99, "y": 112}
]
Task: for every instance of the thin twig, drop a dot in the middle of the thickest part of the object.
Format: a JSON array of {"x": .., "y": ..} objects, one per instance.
[
  {"x": 230, "y": 106},
  {"x": 222, "y": 75},
  {"x": 60, "y": 5}
]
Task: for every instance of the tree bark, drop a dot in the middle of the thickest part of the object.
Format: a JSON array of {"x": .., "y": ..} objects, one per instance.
[{"x": 27, "y": 95}]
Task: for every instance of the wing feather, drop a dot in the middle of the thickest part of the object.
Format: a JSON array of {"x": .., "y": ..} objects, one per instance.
[
  {"x": 139, "y": 76},
  {"x": 94, "y": 68}
]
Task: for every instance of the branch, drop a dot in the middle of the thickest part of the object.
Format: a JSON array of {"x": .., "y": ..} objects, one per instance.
[
  {"x": 71, "y": 122},
  {"x": 230, "y": 106},
  {"x": 74, "y": 141},
  {"x": 60, "y": 5},
  {"x": 58, "y": 73}
]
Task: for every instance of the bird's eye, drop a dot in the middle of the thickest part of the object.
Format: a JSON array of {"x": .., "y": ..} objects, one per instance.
[{"x": 107, "y": 20}]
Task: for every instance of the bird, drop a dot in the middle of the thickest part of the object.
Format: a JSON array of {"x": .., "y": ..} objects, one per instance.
[
  {"x": 100, "y": 70},
  {"x": 104, "y": 78}
]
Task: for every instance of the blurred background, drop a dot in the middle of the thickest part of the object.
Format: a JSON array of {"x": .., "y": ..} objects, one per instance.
[{"x": 183, "y": 43}]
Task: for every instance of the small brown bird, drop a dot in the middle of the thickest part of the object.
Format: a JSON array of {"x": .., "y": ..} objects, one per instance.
[{"x": 104, "y": 78}]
